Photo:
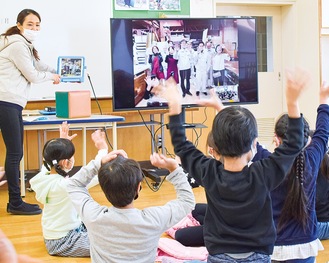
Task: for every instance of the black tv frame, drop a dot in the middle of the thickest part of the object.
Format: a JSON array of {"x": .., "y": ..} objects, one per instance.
[{"x": 123, "y": 63}]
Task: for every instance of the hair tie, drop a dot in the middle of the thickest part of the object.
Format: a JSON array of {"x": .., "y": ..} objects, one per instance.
[{"x": 54, "y": 162}]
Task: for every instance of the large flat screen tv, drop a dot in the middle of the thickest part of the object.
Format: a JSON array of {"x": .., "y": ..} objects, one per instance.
[{"x": 200, "y": 53}]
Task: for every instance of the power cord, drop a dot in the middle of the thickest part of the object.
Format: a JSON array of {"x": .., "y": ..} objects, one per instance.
[
  {"x": 92, "y": 88},
  {"x": 165, "y": 148},
  {"x": 100, "y": 110},
  {"x": 205, "y": 115},
  {"x": 154, "y": 186},
  {"x": 152, "y": 135},
  {"x": 198, "y": 135}
]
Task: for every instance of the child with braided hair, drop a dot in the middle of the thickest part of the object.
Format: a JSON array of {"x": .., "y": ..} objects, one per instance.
[
  {"x": 294, "y": 200},
  {"x": 63, "y": 231}
]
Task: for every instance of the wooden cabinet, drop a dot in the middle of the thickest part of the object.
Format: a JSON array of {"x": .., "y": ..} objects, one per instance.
[{"x": 139, "y": 87}]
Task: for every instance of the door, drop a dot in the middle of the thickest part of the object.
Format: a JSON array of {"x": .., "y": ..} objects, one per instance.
[{"x": 270, "y": 84}]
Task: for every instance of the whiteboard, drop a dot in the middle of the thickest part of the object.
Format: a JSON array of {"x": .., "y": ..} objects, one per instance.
[{"x": 69, "y": 28}]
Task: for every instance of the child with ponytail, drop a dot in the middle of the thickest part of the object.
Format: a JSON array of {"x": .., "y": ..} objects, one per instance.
[
  {"x": 294, "y": 200},
  {"x": 63, "y": 231}
]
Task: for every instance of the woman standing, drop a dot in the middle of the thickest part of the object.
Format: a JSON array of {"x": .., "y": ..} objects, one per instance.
[
  {"x": 218, "y": 64},
  {"x": 155, "y": 59},
  {"x": 20, "y": 66},
  {"x": 172, "y": 69}
]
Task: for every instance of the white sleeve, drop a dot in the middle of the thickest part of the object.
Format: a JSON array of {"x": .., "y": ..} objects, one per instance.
[
  {"x": 24, "y": 62},
  {"x": 39, "y": 65},
  {"x": 99, "y": 156},
  {"x": 80, "y": 197},
  {"x": 171, "y": 213}
]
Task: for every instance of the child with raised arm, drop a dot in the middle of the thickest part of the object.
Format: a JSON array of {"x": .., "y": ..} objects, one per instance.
[
  {"x": 190, "y": 231},
  {"x": 238, "y": 224},
  {"x": 294, "y": 200},
  {"x": 64, "y": 233},
  {"x": 122, "y": 233}
]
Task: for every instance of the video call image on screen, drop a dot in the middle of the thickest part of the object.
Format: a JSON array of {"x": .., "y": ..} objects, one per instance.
[
  {"x": 200, "y": 54},
  {"x": 71, "y": 69}
]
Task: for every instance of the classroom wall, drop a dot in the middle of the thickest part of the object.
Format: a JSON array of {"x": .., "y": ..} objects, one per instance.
[
  {"x": 300, "y": 47},
  {"x": 298, "y": 40},
  {"x": 69, "y": 28}
]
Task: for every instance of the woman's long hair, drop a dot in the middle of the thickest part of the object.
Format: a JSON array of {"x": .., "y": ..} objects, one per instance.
[
  {"x": 295, "y": 204},
  {"x": 20, "y": 19}
]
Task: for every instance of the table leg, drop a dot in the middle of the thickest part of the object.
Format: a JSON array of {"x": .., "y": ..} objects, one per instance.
[
  {"x": 84, "y": 146},
  {"x": 114, "y": 136}
]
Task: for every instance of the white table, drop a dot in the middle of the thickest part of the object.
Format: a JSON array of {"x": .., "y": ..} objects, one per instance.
[{"x": 51, "y": 122}]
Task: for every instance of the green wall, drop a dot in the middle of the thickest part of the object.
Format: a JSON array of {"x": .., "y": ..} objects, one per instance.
[{"x": 184, "y": 5}]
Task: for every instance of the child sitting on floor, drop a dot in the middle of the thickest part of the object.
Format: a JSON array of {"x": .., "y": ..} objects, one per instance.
[
  {"x": 238, "y": 223},
  {"x": 122, "y": 233},
  {"x": 64, "y": 233}
]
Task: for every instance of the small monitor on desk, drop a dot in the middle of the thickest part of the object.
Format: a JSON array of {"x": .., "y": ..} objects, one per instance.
[{"x": 71, "y": 68}]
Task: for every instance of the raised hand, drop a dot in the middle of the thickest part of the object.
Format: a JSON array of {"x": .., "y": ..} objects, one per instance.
[
  {"x": 112, "y": 155},
  {"x": 296, "y": 83},
  {"x": 214, "y": 101},
  {"x": 161, "y": 161},
  {"x": 64, "y": 129},
  {"x": 169, "y": 91},
  {"x": 148, "y": 83},
  {"x": 324, "y": 93},
  {"x": 56, "y": 79},
  {"x": 99, "y": 139}
]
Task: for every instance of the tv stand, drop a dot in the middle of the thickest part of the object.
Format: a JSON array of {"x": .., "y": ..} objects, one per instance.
[
  {"x": 189, "y": 125},
  {"x": 149, "y": 170},
  {"x": 151, "y": 123},
  {"x": 152, "y": 172}
]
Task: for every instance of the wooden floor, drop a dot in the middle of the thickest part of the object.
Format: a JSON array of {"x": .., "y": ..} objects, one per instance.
[{"x": 26, "y": 235}]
